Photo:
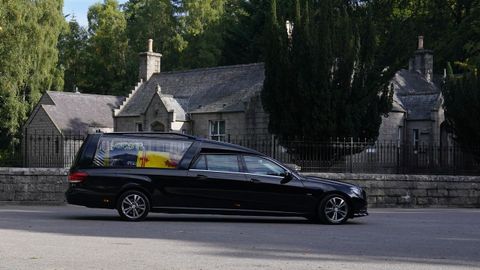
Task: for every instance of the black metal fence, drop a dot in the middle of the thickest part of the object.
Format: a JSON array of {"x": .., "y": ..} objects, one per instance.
[
  {"x": 44, "y": 150},
  {"x": 360, "y": 156},
  {"x": 346, "y": 155}
]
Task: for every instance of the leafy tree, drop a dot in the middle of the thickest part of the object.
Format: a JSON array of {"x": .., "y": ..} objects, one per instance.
[
  {"x": 107, "y": 50},
  {"x": 29, "y": 32},
  {"x": 202, "y": 30},
  {"x": 153, "y": 19},
  {"x": 73, "y": 56}
]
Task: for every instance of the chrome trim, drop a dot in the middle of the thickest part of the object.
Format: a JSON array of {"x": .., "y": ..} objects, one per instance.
[{"x": 244, "y": 173}]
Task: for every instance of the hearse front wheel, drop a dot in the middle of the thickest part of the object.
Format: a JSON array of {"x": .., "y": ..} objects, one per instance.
[
  {"x": 334, "y": 209},
  {"x": 133, "y": 205}
]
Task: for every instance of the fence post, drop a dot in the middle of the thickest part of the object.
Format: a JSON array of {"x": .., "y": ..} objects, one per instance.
[
  {"x": 272, "y": 151},
  {"x": 398, "y": 156},
  {"x": 25, "y": 147},
  {"x": 351, "y": 154}
]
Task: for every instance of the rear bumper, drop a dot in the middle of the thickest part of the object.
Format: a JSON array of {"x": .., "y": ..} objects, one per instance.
[{"x": 88, "y": 198}]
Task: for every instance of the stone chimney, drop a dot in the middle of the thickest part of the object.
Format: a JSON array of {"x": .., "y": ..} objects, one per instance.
[
  {"x": 422, "y": 61},
  {"x": 149, "y": 63}
]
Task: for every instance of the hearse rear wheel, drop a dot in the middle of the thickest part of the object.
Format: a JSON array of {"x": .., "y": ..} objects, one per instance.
[{"x": 133, "y": 205}]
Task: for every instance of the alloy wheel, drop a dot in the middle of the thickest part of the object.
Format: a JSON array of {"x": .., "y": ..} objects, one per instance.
[
  {"x": 335, "y": 210},
  {"x": 133, "y": 206}
]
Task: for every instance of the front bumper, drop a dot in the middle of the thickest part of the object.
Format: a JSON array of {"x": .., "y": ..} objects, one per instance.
[{"x": 359, "y": 207}]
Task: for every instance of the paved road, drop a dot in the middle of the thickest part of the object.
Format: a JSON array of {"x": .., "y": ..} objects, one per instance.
[{"x": 69, "y": 237}]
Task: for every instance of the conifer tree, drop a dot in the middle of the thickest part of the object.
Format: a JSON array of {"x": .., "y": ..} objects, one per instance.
[{"x": 325, "y": 82}]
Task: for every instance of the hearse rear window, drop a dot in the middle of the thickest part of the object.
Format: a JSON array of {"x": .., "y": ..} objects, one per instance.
[{"x": 118, "y": 151}]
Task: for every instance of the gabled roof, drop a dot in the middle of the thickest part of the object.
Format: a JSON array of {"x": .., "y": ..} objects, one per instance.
[
  {"x": 397, "y": 105},
  {"x": 419, "y": 107},
  {"x": 172, "y": 105},
  {"x": 418, "y": 96},
  {"x": 220, "y": 89},
  {"x": 406, "y": 82},
  {"x": 75, "y": 112}
]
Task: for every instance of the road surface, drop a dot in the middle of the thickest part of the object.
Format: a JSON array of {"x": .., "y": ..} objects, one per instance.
[{"x": 70, "y": 237}]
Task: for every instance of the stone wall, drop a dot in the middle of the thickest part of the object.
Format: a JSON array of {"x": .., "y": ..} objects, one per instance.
[
  {"x": 47, "y": 186},
  {"x": 33, "y": 186},
  {"x": 393, "y": 190}
]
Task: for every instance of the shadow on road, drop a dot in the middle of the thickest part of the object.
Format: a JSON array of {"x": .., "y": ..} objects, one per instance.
[
  {"x": 431, "y": 237},
  {"x": 207, "y": 219}
]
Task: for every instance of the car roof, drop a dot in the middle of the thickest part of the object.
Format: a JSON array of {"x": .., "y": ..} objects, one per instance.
[{"x": 205, "y": 144}]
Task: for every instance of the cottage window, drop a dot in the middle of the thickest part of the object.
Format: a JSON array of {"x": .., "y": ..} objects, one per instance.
[
  {"x": 217, "y": 130},
  {"x": 416, "y": 138},
  {"x": 139, "y": 126}
]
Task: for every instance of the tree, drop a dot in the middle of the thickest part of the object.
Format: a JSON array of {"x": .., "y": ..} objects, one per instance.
[
  {"x": 202, "y": 31},
  {"x": 326, "y": 81},
  {"x": 107, "y": 50},
  {"x": 153, "y": 19},
  {"x": 29, "y": 32},
  {"x": 73, "y": 56},
  {"x": 462, "y": 101}
]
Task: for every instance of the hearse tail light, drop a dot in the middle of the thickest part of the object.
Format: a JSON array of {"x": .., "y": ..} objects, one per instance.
[{"x": 77, "y": 177}]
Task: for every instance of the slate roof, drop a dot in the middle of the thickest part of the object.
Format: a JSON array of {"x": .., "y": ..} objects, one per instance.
[
  {"x": 416, "y": 95},
  {"x": 220, "y": 89},
  {"x": 419, "y": 107},
  {"x": 397, "y": 105},
  {"x": 75, "y": 112},
  {"x": 406, "y": 82},
  {"x": 171, "y": 104}
]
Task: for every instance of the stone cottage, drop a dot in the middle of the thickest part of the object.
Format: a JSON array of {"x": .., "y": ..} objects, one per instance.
[
  {"x": 216, "y": 103},
  {"x": 413, "y": 135},
  {"x": 417, "y": 114},
  {"x": 56, "y": 127}
]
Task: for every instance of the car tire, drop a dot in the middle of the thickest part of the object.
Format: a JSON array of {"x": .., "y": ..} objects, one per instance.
[
  {"x": 133, "y": 205},
  {"x": 334, "y": 209}
]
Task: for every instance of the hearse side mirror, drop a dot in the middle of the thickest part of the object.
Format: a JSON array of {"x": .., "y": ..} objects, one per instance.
[{"x": 286, "y": 178}]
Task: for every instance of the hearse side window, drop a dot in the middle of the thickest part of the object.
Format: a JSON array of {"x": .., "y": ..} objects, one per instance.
[
  {"x": 222, "y": 163},
  {"x": 259, "y": 165},
  {"x": 217, "y": 162},
  {"x": 121, "y": 151},
  {"x": 200, "y": 163}
]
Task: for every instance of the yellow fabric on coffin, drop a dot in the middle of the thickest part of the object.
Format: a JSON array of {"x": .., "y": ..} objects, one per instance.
[{"x": 152, "y": 159}]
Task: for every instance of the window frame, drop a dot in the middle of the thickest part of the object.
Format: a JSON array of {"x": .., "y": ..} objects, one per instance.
[
  {"x": 265, "y": 158},
  {"x": 220, "y": 137},
  {"x": 138, "y": 126},
  {"x": 416, "y": 138},
  {"x": 240, "y": 164}
]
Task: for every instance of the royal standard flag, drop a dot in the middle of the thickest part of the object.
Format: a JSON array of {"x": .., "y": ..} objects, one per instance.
[{"x": 152, "y": 159}]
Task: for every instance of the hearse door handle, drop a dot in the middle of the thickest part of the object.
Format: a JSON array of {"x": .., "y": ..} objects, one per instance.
[
  {"x": 202, "y": 177},
  {"x": 255, "y": 180}
]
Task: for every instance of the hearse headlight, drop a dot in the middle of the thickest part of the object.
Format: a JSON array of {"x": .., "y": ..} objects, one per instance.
[{"x": 357, "y": 191}]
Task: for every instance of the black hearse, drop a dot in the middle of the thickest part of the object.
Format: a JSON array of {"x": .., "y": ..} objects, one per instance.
[{"x": 136, "y": 173}]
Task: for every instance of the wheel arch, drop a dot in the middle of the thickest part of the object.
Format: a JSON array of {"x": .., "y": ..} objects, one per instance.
[
  {"x": 135, "y": 187},
  {"x": 337, "y": 192}
]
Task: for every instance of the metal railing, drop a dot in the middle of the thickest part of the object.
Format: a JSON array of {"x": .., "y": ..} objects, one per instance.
[
  {"x": 340, "y": 155},
  {"x": 44, "y": 150},
  {"x": 361, "y": 156}
]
